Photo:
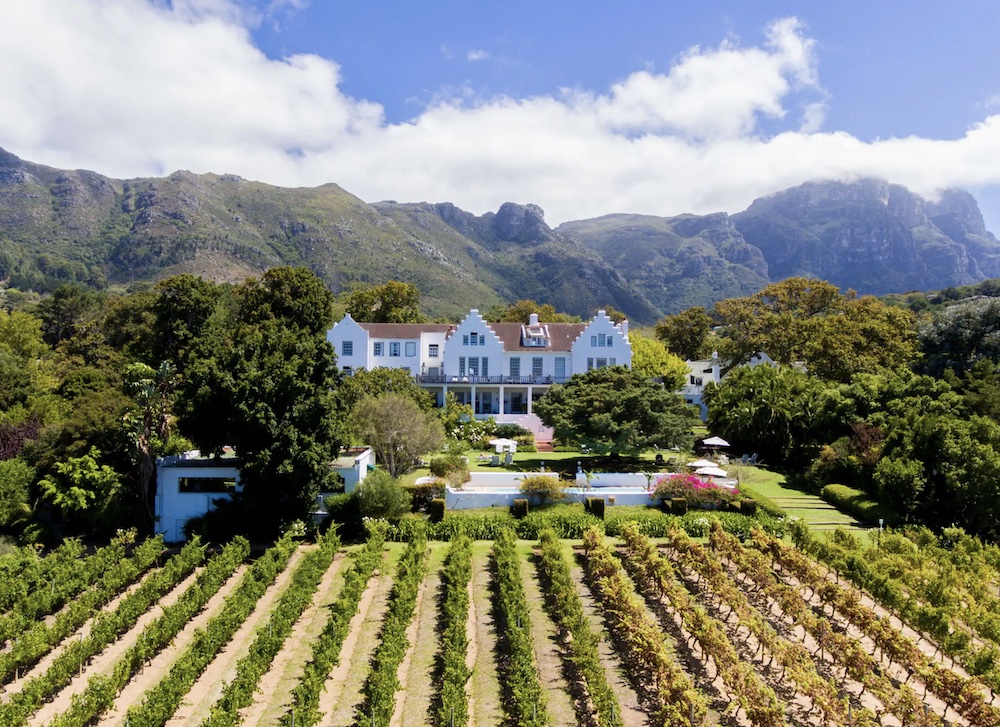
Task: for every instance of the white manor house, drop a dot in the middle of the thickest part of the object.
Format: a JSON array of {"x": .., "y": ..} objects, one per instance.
[{"x": 498, "y": 368}]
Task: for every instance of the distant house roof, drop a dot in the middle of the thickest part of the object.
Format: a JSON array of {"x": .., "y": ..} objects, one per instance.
[
  {"x": 403, "y": 330},
  {"x": 561, "y": 336}
]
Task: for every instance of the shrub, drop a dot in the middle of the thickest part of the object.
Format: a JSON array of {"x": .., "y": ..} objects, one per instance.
[
  {"x": 857, "y": 503},
  {"x": 444, "y": 464},
  {"x": 381, "y": 497},
  {"x": 526, "y": 442},
  {"x": 693, "y": 489},
  {"x": 512, "y": 431},
  {"x": 520, "y": 508},
  {"x": 423, "y": 494},
  {"x": 543, "y": 488},
  {"x": 595, "y": 506},
  {"x": 437, "y": 509}
]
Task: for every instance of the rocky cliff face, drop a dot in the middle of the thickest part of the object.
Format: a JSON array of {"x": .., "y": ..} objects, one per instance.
[
  {"x": 870, "y": 235},
  {"x": 59, "y": 226}
]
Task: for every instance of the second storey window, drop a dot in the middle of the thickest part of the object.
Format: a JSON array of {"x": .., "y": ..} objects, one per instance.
[
  {"x": 379, "y": 349},
  {"x": 432, "y": 350},
  {"x": 474, "y": 366},
  {"x": 394, "y": 348},
  {"x": 347, "y": 348},
  {"x": 461, "y": 365},
  {"x": 536, "y": 366},
  {"x": 560, "y": 368},
  {"x": 411, "y": 348},
  {"x": 515, "y": 367}
]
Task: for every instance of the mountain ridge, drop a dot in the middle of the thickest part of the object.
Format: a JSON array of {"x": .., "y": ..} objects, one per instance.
[{"x": 60, "y": 226}]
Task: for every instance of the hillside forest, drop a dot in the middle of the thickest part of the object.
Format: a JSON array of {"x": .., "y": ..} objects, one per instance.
[{"x": 898, "y": 397}]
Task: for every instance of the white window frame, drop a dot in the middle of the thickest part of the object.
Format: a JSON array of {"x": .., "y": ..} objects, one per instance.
[
  {"x": 410, "y": 349},
  {"x": 394, "y": 348},
  {"x": 432, "y": 350},
  {"x": 515, "y": 367},
  {"x": 537, "y": 366},
  {"x": 347, "y": 348},
  {"x": 378, "y": 349}
]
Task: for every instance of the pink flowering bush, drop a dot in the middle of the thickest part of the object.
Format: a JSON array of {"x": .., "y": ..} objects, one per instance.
[{"x": 693, "y": 489}]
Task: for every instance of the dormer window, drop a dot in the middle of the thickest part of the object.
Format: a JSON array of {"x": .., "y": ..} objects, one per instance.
[{"x": 535, "y": 335}]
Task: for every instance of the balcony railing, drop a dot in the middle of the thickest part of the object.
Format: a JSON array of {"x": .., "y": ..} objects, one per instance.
[{"x": 514, "y": 380}]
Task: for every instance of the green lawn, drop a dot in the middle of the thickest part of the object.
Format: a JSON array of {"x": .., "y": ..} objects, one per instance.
[{"x": 820, "y": 516}]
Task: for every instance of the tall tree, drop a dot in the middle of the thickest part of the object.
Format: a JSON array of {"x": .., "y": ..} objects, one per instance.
[
  {"x": 149, "y": 427},
  {"x": 393, "y": 302},
  {"x": 650, "y": 358},
  {"x": 800, "y": 319},
  {"x": 775, "y": 411},
  {"x": 183, "y": 306},
  {"x": 686, "y": 333},
  {"x": 520, "y": 312},
  {"x": 266, "y": 384},
  {"x": 382, "y": 380},
  {"x": 616, "y": 410},
  {"x": 397, "y": 429}
]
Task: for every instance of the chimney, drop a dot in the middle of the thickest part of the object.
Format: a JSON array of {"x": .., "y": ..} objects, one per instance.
[
  {"x": 624, "y": 325},
  {"x": 533, "y": 319}
]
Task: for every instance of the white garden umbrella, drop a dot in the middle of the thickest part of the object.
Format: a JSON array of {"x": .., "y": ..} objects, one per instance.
[
  {"x": 504, "y": 445},
  {"x": 715, "y": 442},
  {"x": 701, "y": 463},
  {"x": 710, "y": 471}
]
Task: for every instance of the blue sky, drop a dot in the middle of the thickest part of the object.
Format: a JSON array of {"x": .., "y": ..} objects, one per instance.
[{"x": 582, "y": 108}]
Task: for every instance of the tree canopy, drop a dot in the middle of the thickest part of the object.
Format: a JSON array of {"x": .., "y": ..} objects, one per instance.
[
  {"x": 650, "y": 358},
  {"x": 616, "y": 410},
  {"x": 397, "y": 429},
  {"x": 834, "y": 335},
  {"x": 686, "y": 333},
  {"x": 521, "y": 311},
  {"x": 393, "y": 302},
  {"x": 266, "y": 385}
]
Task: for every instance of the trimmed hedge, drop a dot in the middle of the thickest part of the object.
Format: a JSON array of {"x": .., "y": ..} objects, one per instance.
[
  {"x": 595, "y": 506},
  {"x": 857, "y": 503},
  {"x": 571, "y": 522}
]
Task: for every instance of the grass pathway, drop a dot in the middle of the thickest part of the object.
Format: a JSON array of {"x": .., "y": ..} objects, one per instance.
[
  {"x": 484, "y": 684},
  {"x": 819, "y": 515}
]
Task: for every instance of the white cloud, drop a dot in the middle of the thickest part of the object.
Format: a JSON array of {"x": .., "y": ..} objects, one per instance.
[
  {"x": 132, "y": 88},
  {"x": 477, "y": 55}
]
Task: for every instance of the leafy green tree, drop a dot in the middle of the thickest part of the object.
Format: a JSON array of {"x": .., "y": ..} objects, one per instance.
[
  {"x": 799, "y": 319},
  {"x": 380, "y": 496},
  {"x": 942, "y": 469},
  {"x": 650, "y": 358},
  {"x": 382, "y": 380},
  {"x": 520, "y": 312},
  {"x": 149, "y": 427},
  {"x": 397, "y": 429},
  {"x": 264, "y": 380},
  {"x": 960, "y": 335},
  {"x": 68, "y": 309},
  {"x": 16, "y": 479},
  {"x": 129, "y": 324},
  {"x": 686, "y": 333},
  {"x": 183, "y": 306},
  {"x": 82, "y": 489},
  {"x": 776, "y": 411},
  {"x": 979, "y": 388},
  {"x": 393, "y": 302},
  {"x": 616, "y": 410}
]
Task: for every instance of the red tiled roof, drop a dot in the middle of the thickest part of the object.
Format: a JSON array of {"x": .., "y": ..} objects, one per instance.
[
  {"x": 561, "y": 336},
  {"x": 403, "y": 330}
]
